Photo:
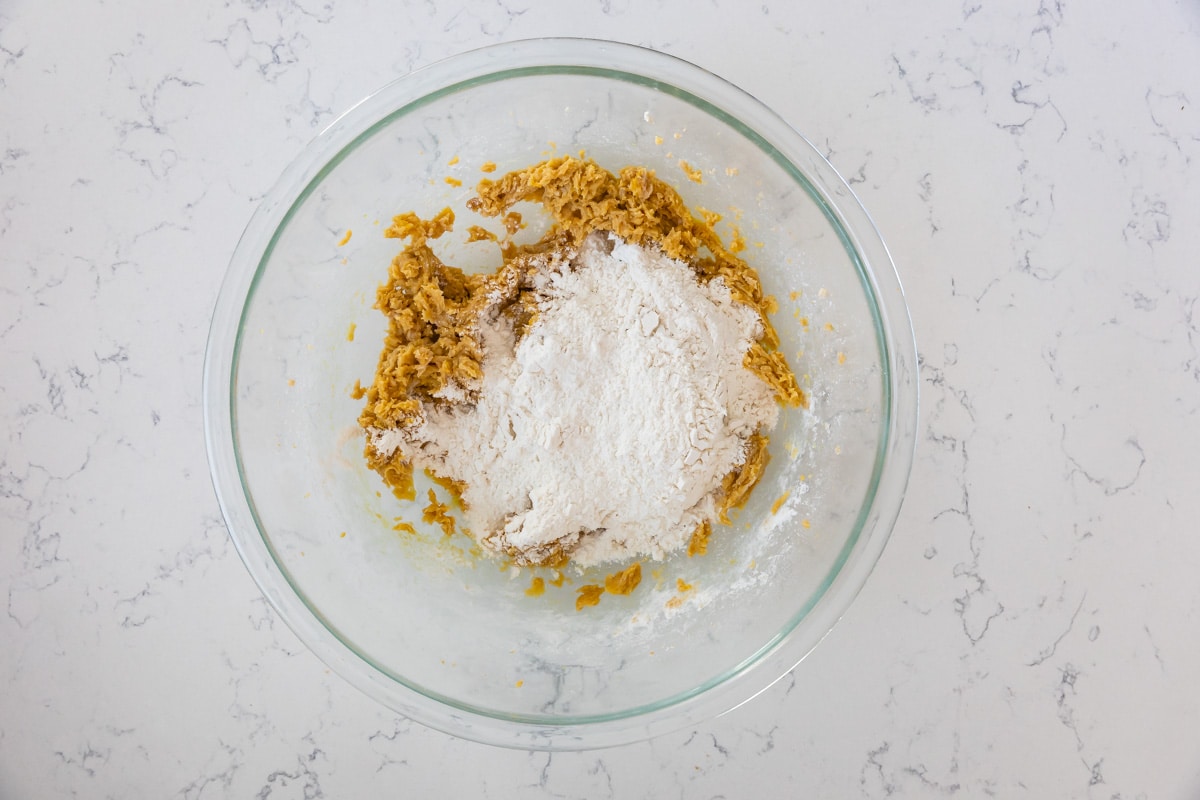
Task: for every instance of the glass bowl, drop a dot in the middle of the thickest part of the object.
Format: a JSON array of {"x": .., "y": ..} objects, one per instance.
[{"x": 423, "y": 623}]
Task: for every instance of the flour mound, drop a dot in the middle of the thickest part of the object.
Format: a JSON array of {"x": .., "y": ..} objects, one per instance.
[{"x": 605, "y": 431}]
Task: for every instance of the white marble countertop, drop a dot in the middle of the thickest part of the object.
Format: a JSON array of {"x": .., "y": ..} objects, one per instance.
[{"x": 1033, "y": 629}]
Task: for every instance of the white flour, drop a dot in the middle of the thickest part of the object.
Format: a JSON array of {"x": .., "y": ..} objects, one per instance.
[{"x": 611, "y": 423}]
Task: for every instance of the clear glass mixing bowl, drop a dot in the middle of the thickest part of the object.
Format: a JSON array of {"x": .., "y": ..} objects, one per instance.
[{"x": 445, "y": 636}]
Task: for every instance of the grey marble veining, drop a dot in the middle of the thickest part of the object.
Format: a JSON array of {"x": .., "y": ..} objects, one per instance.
[{"x": 1031, "y": 630}]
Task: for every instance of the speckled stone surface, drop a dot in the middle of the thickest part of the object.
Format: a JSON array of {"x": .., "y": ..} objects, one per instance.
[{"x": 1031, "y": 630}]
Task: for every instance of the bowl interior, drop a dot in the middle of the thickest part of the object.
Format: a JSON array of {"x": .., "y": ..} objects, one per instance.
[{"x": 426, "y": 612}]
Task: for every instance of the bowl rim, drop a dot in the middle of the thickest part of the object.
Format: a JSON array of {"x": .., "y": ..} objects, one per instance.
[{"x": 818, "y": 178}]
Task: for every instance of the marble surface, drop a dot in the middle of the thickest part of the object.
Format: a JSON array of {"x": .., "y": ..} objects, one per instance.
[{"x": 1032, "y": 629}]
